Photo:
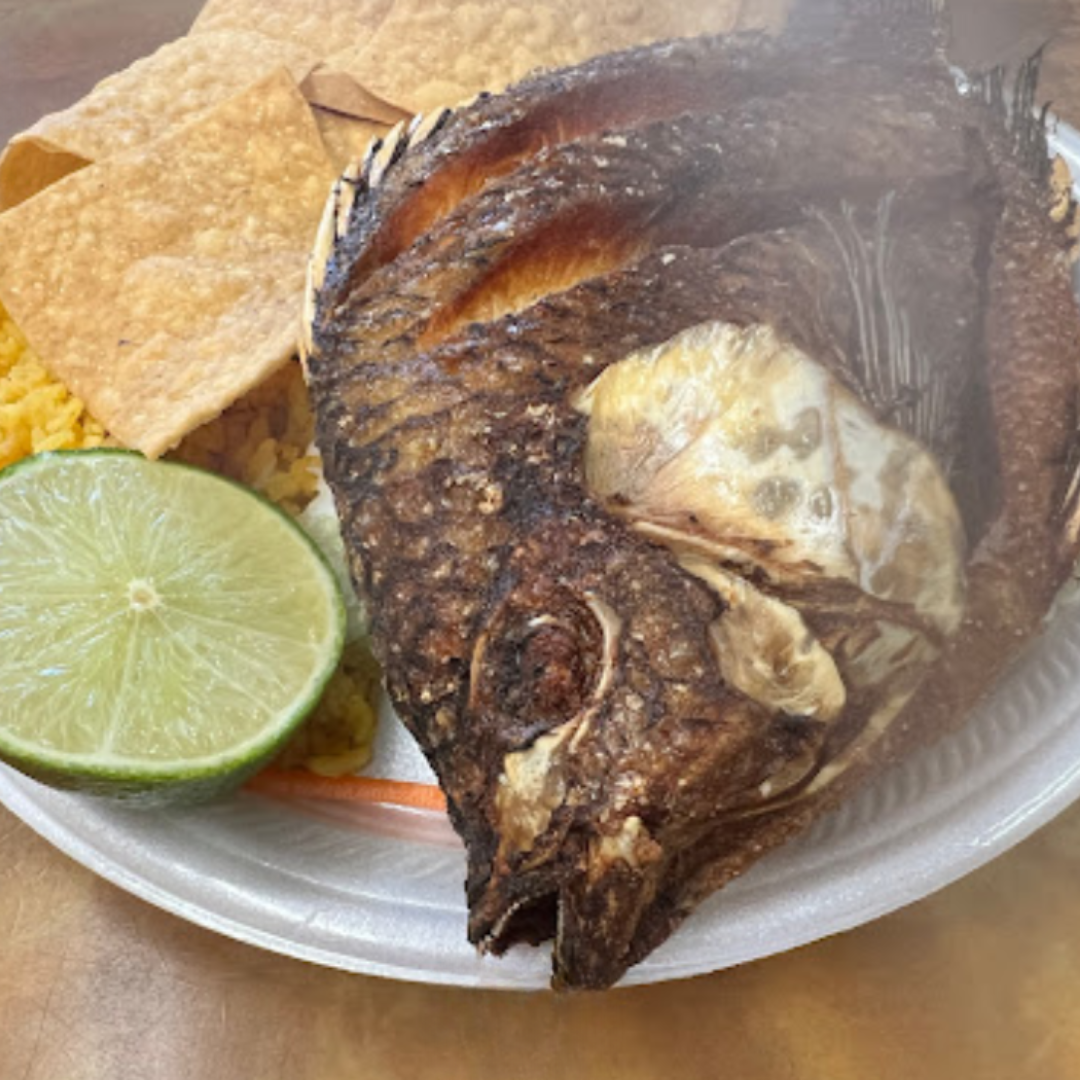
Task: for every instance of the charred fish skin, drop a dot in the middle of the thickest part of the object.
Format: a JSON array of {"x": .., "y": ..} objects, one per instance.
[
  {"x": 451, "y": 154},
  {"x": 627, "y": 698}
]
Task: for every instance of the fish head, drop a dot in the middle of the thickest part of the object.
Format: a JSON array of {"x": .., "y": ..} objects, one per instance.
[
  {"x": 619, "y": 737},
  {"x": 762, "y": 579}
]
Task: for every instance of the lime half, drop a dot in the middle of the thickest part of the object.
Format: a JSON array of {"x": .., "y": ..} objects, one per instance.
[{"x": 162, "y": 630}]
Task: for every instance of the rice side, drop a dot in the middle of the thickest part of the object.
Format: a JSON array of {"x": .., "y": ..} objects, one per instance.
[{"x": 37, "y": 413}]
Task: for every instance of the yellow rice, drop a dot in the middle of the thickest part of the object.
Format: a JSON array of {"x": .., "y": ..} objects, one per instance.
[
  {"x": 36, "y": 412},
  {"x": 261, "y": 441},
  {"x": 337, "y": 738}
]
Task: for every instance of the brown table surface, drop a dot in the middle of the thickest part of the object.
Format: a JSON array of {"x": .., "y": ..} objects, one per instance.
[{"x": 981, "y": 981}]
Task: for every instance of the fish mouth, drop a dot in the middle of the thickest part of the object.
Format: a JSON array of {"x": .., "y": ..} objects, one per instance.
[
  {"x": 587, "y": 899},
  {"x": 540, "y": 919},
  {"x": 530, "y": 921}
]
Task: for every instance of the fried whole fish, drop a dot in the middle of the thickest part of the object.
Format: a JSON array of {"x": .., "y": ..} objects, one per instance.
[{"x": 702, "y": 421}]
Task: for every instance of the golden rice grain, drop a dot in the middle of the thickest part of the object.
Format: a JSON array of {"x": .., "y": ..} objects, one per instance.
[
  {"x": 36, "y": 412},
  {"x": 337, "y": 737},
  {"x": 262, "y": 441}
]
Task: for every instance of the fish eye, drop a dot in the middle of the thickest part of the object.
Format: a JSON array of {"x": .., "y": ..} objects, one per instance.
[{"x": 540, "y": 661}]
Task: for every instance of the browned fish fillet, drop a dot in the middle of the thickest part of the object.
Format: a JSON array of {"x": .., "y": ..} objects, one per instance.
[{"x": 702, "y": 423}]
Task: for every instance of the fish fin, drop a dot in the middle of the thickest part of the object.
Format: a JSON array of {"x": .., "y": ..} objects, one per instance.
[
  {"x": 352, "y": 189},
  {"x": 1011, "y": 99},
  {"x": 900, "y": 381},
  {"x": 1070, "y": 508}
]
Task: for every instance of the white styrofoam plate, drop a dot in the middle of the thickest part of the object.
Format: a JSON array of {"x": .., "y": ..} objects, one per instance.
[{"x": 381, "y": 891}]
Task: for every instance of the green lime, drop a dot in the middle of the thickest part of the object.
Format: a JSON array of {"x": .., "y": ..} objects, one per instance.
[{"x": 162, "y": 630}]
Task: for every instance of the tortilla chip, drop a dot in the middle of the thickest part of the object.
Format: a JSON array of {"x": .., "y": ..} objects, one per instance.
[
  {"x": 161, "y": 284},
  {"x": 175, "y": 85},
  {"x": 349, "y": 118},
  {"x": 30, "y": 165},
  {"x": 324, "y": 26},
  {"x": 768, "y": 15},
  {"x": 428, "y": 53},
  {"x": 341, "y": 93},
  {"x": 346, "y": 139}
]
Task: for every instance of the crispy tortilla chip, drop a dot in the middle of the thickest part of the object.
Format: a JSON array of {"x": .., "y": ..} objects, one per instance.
[
  {"x": 428, "y": 53},
  {"x": 161, "y": 284},
  {"x": 324, "y": 26},
  {"x": 29, "y": 165},
  {"x": 345, "y": 137},
  {"x": 338, "y": 92},
  {"x": 349, "y": 118},
  {"x": 174, "y": 85},
  {"x": 770, "y": 15}
]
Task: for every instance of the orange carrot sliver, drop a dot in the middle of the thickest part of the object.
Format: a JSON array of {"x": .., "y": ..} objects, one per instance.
[{"x": 301, "y": 784}]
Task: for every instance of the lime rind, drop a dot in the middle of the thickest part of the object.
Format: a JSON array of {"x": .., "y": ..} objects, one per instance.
[{"x": 40, "y": 583}]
